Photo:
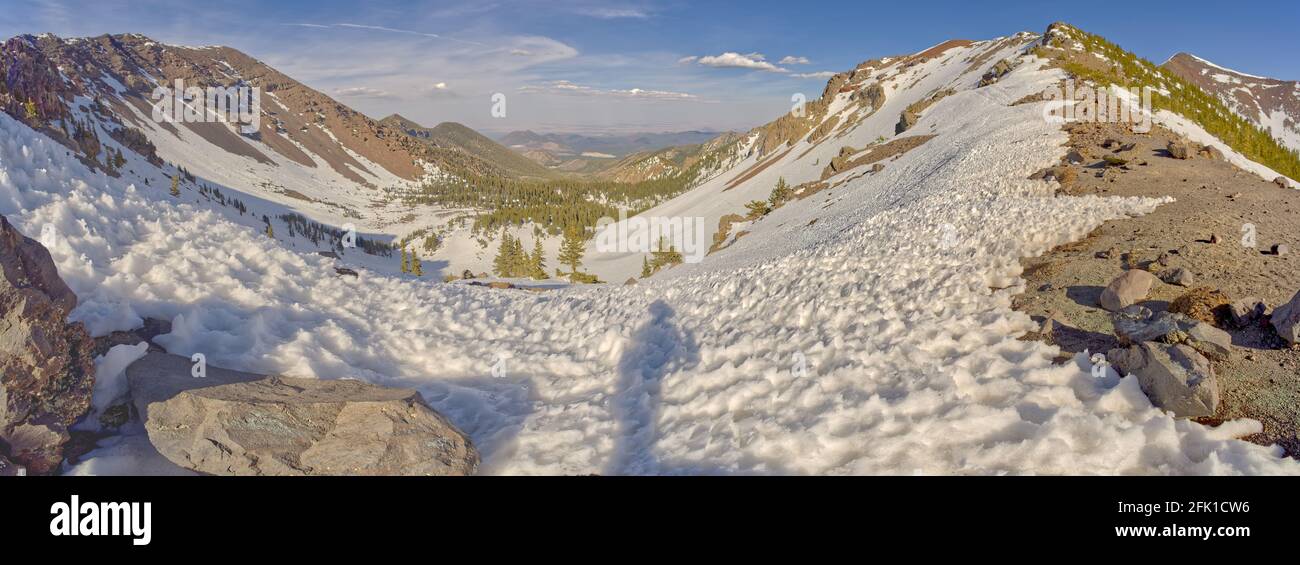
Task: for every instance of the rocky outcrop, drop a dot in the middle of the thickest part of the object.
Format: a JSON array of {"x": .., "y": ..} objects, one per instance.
[
  {"x": 234, "y": 423},
  {"x": 1127, "y": 289},
  {"x": 1175, "y": 377},
  {"x": 1281, "y": 182},
  {"x": 999, "y": 70},
  {"x": 905, "y": 122},
  {"x": 1286, "y": 320},
  {"x": 46, "y": 371}
]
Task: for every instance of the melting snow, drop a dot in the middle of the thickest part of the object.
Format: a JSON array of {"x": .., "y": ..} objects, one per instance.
[{"x": 856, "y": 345}]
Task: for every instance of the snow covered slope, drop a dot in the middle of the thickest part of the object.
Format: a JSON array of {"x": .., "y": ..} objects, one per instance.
[
  {"x": 863, "y": 342},
  {"x": 1268, "y": 103}
]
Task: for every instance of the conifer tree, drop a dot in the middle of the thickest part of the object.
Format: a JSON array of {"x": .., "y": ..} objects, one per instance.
[
  {"x": 502, "y": 264},
  {"x": 779, "y": 194},
  {"x": 645, "y": 268},
  {"x": 415, "y": 263},
  {"x": 406, "y": 261},
  {"x": 270, "y": 232},
  {"x": 571, "y": 251},
  {"x": 32, "y": 114},
  {"x": 537, "y": 262},
  {"x": 176, "y": 189}
]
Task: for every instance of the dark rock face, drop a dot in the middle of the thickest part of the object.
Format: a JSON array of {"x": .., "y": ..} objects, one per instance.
[{"x": 46, "y": 368}]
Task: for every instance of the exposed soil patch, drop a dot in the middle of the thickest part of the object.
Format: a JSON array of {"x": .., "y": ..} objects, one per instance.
[{"x": 1214, "y": 200}]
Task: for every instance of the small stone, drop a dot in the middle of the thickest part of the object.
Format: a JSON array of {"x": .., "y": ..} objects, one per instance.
[
  {"x": 1178, "y": 277},
  {"x": 1179, "y": 149},
  {"x": 1281, "y": 249}
]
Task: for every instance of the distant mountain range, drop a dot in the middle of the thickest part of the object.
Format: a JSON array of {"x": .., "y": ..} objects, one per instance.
[
  {"x": 1269, "y": 103},
  {"x": 584, "y": 153}
]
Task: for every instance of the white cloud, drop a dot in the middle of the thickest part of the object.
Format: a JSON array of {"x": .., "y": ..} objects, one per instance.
[
  {"x": 362, "y": 92},
  {"x": 440, "y": 86},
  {"x": 820, "y": 74},
  {"x": 565, "y": 87},
  {"x": 733, "y": 60},
  {"x": 607, "y": 13},
  {"x": 792, "y": 60},
  {"x": 382, "y": 29}
]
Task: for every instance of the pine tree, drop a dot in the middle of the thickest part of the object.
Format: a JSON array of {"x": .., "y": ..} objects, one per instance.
[
  {"x": 518, "y": 259},
  {"x": 502, "y": 264},
  {"x": 270, "y": 232},
  {"x": 415, "y": 263},
  {"x": 537, "y": 262},
  {"x": 779, "y": 194},
  {"x": 571, "y": 251},
  {"x": 645, "y": 268},
  {"x": 406, "y": 261},
  {"x": 176, "y": 190},
  {"x": 32, "y": 114}
]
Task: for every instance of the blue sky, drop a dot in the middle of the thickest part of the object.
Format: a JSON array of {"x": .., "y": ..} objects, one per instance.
[{"x": 629, "y": 65}]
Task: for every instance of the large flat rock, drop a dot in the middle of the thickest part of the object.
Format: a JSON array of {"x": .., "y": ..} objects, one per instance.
[{"x": 235, "y": 423}]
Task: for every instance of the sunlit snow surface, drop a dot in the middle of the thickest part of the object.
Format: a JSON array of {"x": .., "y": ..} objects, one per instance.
[{"x": 912, "y": 365}]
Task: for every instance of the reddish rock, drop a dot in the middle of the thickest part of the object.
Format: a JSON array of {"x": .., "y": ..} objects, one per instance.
[{"x": 46, "y": 368}]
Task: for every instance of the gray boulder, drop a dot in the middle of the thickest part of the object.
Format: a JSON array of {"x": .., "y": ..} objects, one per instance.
[
  {"x": 1282, "y": 182},
  {"x": 46, "y": 368},
  {"x": 1175, "y": 377},
  {"x": 1127, "y": 289},
  {"x": 1247, "y": 310},
  {"x": 1180, "y": 149},
  {"x": 1286, "y": 320},
  {"x": 1137, "y": 324},
  {"x": 234, "y": 423}
]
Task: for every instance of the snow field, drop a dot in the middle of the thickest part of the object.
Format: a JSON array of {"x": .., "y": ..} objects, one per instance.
[{"x": 857, "y": 345}]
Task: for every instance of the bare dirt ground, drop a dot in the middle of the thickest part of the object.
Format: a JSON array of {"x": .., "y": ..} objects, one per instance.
[{"x": 1261, "y": 378}]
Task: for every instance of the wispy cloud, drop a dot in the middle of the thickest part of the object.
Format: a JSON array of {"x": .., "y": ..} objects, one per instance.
[
  {"x": 567, "y": 88},
  {"x": 362, "y": 92},
  {"x": 608, "y": 13},
  {"x": 819, "y": 74},
  {"x": 384, "y": 29},
  {"x": 793, "y": 60}
]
